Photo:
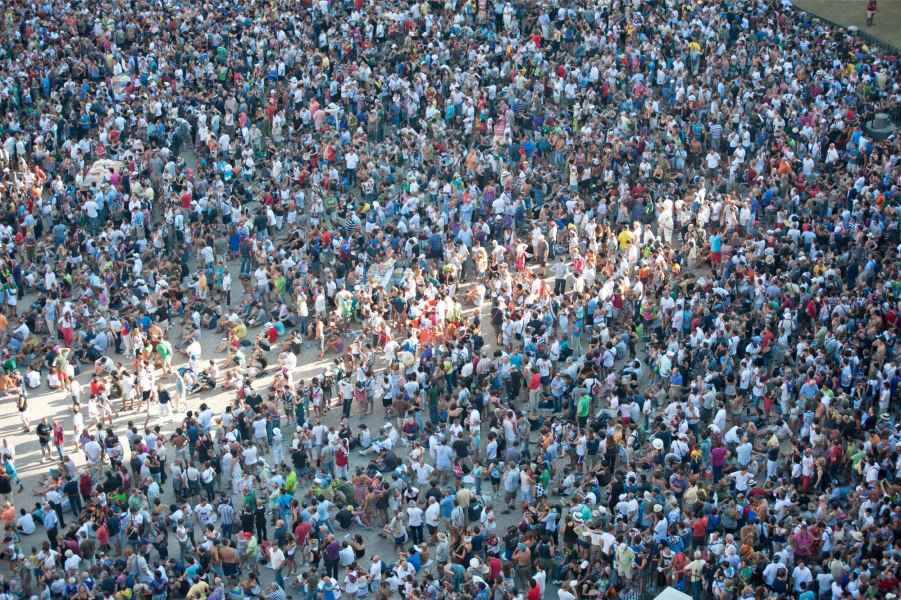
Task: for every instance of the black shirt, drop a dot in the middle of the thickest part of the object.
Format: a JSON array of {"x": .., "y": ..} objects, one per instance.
[
  {"x": 247, "y": 522},
  {"x": 461, "y": 448},
  {"x": 71, "y": 488},
  {"x": 390, "y": 460},
  {"x": 299, "y": 458},
  {"x": 433, "y": 493},
  {"x": 44, "y": 432},
  {"x": 344, "y": 518}
]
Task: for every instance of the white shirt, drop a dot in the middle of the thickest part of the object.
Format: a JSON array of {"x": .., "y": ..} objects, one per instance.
[
  {"x": 801, "y": 574},
  {"x": 433, "y": 514},
  {"x": 423, "y": 472},
  {"x": 26, "y": 524},
  {"x": 415, "y": 516}
]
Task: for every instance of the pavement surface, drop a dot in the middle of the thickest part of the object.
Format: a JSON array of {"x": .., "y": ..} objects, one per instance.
[{"x": 57, "y": 405}]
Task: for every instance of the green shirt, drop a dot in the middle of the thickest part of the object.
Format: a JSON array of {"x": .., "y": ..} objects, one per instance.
[
  {"x": 583, "y": 406},
  {"x": 165, "y": 349},
  {"x": 432, "y": 395}
]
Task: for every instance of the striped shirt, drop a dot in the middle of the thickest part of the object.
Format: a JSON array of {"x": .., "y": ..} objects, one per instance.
[{"x": 716, "y": 131}]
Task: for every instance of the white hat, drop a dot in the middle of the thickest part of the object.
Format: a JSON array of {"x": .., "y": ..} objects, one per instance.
[{"x": 657, "y": 443}]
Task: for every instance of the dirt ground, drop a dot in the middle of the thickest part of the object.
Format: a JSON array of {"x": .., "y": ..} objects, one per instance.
[{"x": 887, "y": 25}]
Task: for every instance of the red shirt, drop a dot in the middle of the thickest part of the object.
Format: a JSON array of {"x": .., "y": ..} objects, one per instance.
[
  {"x": 341, "y": 457},
  {"x": 301, "y": 532},
  {"x": 85, "y": 485},
  {"x": 699, "y": 527},
  {"x": 835, "y": 455},
  {"x": 103, "y": 535},
  {"x": 535, "y": 592},
  {"x": 494, "y": 568}
]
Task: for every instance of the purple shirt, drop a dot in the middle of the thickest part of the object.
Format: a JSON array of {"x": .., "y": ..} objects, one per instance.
[{"x": 332, "y": 550}]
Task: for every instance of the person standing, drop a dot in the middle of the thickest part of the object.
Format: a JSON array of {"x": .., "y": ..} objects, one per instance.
[
  {"x": 871, "y": 12},
  {"x": 44, "y": 432}
]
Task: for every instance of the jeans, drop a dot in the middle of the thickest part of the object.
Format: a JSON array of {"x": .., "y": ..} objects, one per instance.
[
  {"x": 245, "y": 266},
  {"x": 433, "y": 413},
  {"x": 75, "y": 504},
  {"x": 210, "y": 490},
  {"x": 558, "y": 404},
  {"x": 328, "y": 524}
]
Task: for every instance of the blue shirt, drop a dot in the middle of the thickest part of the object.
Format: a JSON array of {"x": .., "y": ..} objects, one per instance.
[
  {"x": 447, "y": 506},
  {"x": 810, "y": 388}
]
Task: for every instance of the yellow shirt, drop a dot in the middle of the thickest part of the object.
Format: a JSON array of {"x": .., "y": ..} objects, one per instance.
[
  {"x": 201, "y": 587},
  {"x": 625, "y": 236}
]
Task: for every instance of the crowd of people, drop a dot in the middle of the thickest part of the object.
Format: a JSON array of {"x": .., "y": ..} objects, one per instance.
[{"x": 604, "y": 296}]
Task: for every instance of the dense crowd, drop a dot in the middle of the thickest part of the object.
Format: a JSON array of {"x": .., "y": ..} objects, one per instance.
[{"x": 607, "y": 296}]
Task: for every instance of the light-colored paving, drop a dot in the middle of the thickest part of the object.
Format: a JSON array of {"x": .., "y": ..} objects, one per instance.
[{"x": 56, "y": 405}]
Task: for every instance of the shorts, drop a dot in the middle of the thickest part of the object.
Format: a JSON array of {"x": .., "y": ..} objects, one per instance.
[
  {"x": 716, "y": 258},
  {"x": 230, "y": 569},
  {"x": 545, "y": 380}
]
